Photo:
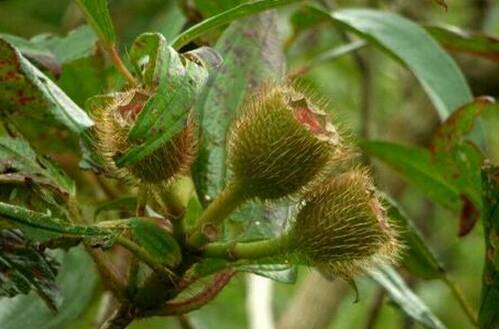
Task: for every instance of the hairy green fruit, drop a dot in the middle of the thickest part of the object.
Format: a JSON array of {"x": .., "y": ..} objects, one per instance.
[
  {"x": 112, "y": 126},
  {"x": 281, "y": 143},
  {"x": 342, "y": 227}
]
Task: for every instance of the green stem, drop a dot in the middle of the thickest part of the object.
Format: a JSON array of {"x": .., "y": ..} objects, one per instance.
[
  {"x": 458, "y": 294},
  {"x": 175, "y": 207},
  {"x": 224, "y": 204},
  {"x": 120, "y": 66},
  {"x": 247, "y": 250},
  {"x": 142, "y": 254}
]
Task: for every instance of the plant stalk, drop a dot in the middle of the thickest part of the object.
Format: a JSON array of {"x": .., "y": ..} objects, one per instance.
[
  {"x": 142, "y": 254},
  {"x": 224, "y": 204},
  {"x": 120, "y": 66},
  {"x": 247, "y": 250},
  {"x": 458, "y": 294}
]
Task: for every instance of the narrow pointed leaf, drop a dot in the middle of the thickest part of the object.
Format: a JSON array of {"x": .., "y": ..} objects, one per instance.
[
  {"x": 404, "y": 297},
  {"x": 97, "y": 14},
  {"x": 210, "y": 8},
  {"x": 55, "y": 226},
  {"x": 473, "y": 43},
  {"x": 243, "y": 10},
  {"x": 436, "y": 71},
  {"x": 416, "y": 166},
  {"x": 418, "y": 257}
]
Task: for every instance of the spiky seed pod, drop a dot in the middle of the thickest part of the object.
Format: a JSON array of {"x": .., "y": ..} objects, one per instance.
[
  {"x": 281, "y": 143},
  {"x": 112, "y": 126},
  {"x": 342, "y": 227}
]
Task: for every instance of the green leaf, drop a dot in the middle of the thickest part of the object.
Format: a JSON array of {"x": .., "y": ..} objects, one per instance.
[
  {"x": 461, "y": 123},
  {"x": 416, "y": 166},
  {"x": 122, "y": 204},
  {"x": 419, "y": 258},
  {"x": 249, "y": 59},
  {"x": 151, "y": 57},
  {"x": 77, "y": 281},
  {"x": 23, "y": 268},
  {"x": 21, "y": 159},
  {"x": 209, "y": 8},
  {"x": 404, "y": 297},
  {"x": 171, "y": 22},
  {"x": 55, "y": 226},
  {"x": 243, "y": 10},
  {"x": 473, "y": 43},
  {"x": 25, "y": 89},
  {"x": 35, "y": 51},
  {"x": 158, "y": 242},
  {"x": 411, "y": 45},
  {"x": 305, "y": 17},
  {"x": 165, "y": 113},
  {"x": 277, "y": 272},
  {"x": 460, "y": 160},
  {"x": 78, "y": 43},
  {"x": 489, "y": 301},
  {"x": 97, "y": 15}
]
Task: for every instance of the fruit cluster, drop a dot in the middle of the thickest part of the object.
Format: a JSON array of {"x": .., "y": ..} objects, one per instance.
[{"x": 283, "y": 145}]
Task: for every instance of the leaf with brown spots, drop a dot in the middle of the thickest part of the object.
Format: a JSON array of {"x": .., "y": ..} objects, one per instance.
[
  {"x": 25, "y": 90},
  {"x": 23, "y": 161}
]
